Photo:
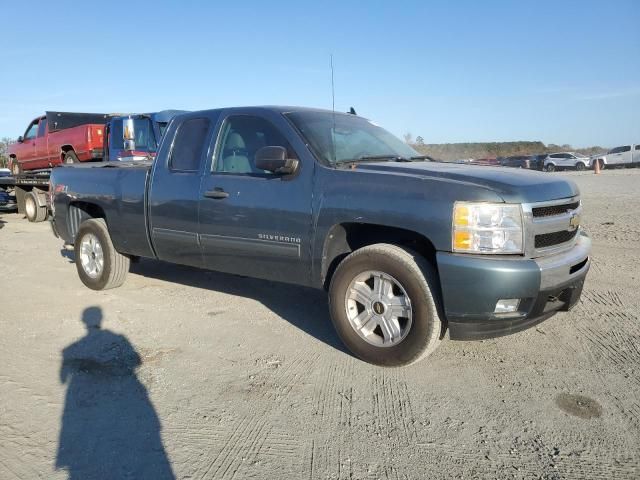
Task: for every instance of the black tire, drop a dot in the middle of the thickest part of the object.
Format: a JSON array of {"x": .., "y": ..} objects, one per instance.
[
  {"x": 601, "y": 162},
  {"x": 550, "y": 168},
  {"x": 419, "y": 280},
  {"x": 71, "y": 158},
  {"x": 32, "y": 210},
  {"x": 581, "y": 167},
  {"x": 16, "y": 168},
  {"x": 115, "y": 265}
]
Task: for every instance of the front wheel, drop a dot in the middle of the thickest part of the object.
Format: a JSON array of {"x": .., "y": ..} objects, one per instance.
[
  {"x": 580, "y": 167},
  {"x": 382, "y": 300},
  {"x": 99, "y": 265}
]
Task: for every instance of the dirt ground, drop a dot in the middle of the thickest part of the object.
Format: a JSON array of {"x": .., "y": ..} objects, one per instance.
[{"x": 199, "y": 375}]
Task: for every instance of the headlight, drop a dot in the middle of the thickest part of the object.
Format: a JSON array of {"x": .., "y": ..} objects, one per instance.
[{"x": 487, "y": 228}]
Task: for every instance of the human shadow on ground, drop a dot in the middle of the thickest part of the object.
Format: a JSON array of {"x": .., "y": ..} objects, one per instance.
[
  {"x": 303, "y": 307},
  {"x": 109, "y": 429}
]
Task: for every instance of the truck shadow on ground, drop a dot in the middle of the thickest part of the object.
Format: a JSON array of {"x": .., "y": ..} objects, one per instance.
[
  {"x": 304, "y": 308},
  {"x": 109, "y": 427}
]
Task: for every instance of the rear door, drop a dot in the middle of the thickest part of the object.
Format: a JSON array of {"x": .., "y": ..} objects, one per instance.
[
  {"x": 174, "y": 193},
  {"x": 254, "y": 222},
  {"x": 636, "y": 154}
]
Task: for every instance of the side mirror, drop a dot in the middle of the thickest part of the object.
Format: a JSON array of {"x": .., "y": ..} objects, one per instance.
[
  {"x": 20, "y": 139},
  {"x": 128, "y": 134},
  {"x": 274, "y": 159}
]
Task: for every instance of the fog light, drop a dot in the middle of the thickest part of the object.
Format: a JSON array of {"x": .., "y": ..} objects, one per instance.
[{"x": 508, "y": 305}]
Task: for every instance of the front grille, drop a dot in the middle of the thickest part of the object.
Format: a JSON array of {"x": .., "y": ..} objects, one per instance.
[
  {"x": 554, "y": 210},
  {"x": 554, "y": 238}
]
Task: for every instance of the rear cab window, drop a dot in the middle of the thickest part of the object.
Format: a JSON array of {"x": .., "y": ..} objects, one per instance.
[{"x": 188, "y": 145}]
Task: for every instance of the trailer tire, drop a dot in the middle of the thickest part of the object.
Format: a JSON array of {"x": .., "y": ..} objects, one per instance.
[
  {"x": 34, "y": 212},
  {"x": 405, "y": 276},
  {"x": 100, "y": 266},
  {"x": 16, "y": 168},
  {"x": 71, "y": 158}
]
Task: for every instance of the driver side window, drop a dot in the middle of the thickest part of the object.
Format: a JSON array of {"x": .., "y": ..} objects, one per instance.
[
  {"x": 31, "y": 131},
  {"x": 240, "y": 138}
]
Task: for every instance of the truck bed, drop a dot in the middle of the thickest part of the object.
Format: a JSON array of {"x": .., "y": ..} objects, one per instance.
[{"x": 118, "y": 189}]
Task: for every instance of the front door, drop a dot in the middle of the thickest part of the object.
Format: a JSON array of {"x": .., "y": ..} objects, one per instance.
[
  {"x": 41, "y": 157},
  {"x": 174, "y": 193},
  {"x": 27, "y": 152},
  {"x": 254, "y": 222}
]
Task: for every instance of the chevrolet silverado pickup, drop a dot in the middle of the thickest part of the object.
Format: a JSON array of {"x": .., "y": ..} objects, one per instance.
[{"x": 407, "y": 249}]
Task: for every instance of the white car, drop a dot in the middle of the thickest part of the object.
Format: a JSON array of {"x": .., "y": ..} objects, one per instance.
[
  {"x": 560, "y": 161},
  {"x": 626, "y": 155}
]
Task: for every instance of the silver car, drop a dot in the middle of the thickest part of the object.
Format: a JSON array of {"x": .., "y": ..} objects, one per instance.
[{"x": 563, "y": 160}]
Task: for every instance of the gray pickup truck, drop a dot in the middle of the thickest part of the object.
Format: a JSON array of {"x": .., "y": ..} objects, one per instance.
[{"x": 407, "y": 249}]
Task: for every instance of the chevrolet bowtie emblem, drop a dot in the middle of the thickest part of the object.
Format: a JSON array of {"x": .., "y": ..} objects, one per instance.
[{"x": 574, "y": 221}]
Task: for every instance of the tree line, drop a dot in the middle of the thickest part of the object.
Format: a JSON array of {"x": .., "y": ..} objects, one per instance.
[{"x": 459, "y": 151}]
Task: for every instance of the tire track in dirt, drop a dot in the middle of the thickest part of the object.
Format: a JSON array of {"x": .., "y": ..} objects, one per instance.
[
  {"x": 392, "y": 407},
  {"x": 250, "y": 437},
  {"x": 607, "y": 298},
  {"x": 335, "y": 400}
]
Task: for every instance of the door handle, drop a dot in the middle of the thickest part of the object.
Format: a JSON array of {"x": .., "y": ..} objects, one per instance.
[{"x": 216, "y": 193}]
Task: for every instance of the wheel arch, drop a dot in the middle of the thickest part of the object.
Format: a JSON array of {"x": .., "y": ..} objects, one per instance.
[
  {"x": 80, "y": 212},
  {"x": 64, "y": 149},
  {"x": 344, "y": 238}
]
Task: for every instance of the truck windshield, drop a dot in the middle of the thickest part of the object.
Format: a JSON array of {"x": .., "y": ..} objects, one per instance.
[
  {"x": 144, "y": 137},
  {"x": 344, "y": 138}
]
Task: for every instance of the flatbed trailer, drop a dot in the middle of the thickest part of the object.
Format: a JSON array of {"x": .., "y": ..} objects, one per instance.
[{"x": 31, "y": 190}]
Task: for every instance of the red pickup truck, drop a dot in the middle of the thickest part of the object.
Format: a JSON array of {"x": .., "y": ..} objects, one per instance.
[{"x": 58, "y": 137}]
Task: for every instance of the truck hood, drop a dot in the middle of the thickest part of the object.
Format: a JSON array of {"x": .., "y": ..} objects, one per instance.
[{"x": 514, "y": 186}]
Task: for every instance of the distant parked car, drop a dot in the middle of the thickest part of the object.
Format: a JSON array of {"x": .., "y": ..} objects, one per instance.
[
  {"x": 626, "y": 155},
  {"x": 564, "y": 160},
  {"x": 518, "y": 161},
  {"x": 536, "y": 162}
]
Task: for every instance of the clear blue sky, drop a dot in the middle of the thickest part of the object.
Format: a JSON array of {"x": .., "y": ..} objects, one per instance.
[{"x": 450, "y": 71}]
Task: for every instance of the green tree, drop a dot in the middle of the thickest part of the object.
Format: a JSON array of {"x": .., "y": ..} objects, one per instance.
[{"x": 4, "y": 152}]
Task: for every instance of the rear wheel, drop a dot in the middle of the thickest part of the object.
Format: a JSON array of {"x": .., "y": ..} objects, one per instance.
[
  {"x": 99, "y": 265},
  {"x": 601, "y": 164},
  {"x": 550, "y": 167},
  {"x": 33, "y": 211},
  {"x": 16, "y": 169},
  {"x": 70, "y": 158},
  {"x": 383, "y": 305}
]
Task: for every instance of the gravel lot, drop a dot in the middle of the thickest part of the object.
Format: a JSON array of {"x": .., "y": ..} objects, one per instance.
[{"x": 199, "y": 375}]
